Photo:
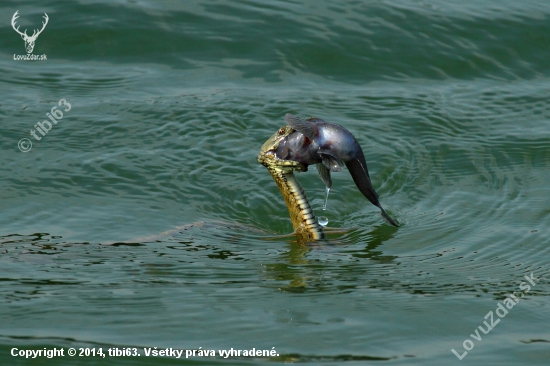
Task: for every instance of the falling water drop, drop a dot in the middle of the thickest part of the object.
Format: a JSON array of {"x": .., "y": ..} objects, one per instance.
[
  {"x": 327, "y": 189},
  {"x": 322, "y": 220}
]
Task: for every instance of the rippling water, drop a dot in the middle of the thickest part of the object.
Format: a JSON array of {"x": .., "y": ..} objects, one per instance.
[{"x": 170, "y": 103}]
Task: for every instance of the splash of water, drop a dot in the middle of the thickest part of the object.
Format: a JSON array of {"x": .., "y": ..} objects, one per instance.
[
  {"x": 323, "y": 220},
  {"x": 327, "y": 189}
]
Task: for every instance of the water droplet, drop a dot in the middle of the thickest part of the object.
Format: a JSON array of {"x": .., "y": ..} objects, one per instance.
[
  {"x": 327, "y": 189},
  {"x": 322, "y": 220}
]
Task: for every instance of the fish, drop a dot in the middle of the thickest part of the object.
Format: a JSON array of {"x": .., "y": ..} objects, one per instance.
[{"x": 329, "y": 146}]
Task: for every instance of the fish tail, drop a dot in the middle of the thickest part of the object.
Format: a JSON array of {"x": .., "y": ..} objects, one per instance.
[{"x": 388, "y": 217}]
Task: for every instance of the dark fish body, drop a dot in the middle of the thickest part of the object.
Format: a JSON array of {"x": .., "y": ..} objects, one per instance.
[
  {"x": 330, "y": 146},
  {"x": 330, "y": 139}
]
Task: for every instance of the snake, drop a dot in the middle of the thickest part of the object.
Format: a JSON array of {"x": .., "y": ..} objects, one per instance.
[{"x": 306, "y": 226}]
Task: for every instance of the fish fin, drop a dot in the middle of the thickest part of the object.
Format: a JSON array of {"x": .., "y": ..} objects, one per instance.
[
  {"x": 331, "y": 160},
  {"x": 324, "y": 173},
  {"x": 301, "y": 125},
  {"x": 388, "y": 217},
  {"x": 362, "y": 181},
  {"x": 315, "y": 120},
  {"x": 361, "y": 178}
]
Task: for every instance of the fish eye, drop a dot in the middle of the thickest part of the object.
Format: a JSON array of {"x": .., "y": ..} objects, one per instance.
[{"x": 281, "y": 131}]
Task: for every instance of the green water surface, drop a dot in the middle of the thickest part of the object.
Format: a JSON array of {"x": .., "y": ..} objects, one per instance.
[{"x": 170, "y": 102}]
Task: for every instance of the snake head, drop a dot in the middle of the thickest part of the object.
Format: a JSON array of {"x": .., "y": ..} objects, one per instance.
[{"x": 268, "y": 153}]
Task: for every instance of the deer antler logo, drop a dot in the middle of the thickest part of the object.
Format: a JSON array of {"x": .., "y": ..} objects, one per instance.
[{"x": 29, "y": 41}]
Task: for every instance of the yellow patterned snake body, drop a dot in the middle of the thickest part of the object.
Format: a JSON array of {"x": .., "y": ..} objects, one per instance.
[{"x": 303, "y": 220}]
